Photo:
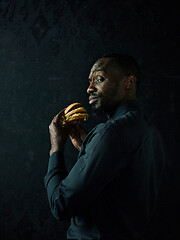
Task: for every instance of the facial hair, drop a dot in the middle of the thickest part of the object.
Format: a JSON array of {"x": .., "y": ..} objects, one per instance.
[{"x": 99, "y": 113}]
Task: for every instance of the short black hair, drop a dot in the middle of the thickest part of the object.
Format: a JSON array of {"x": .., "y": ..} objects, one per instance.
[{"x": 127, "y": 64}]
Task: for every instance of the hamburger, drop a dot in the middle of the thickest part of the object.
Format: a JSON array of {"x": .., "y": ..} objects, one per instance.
[{"x": 74, "y": 112}]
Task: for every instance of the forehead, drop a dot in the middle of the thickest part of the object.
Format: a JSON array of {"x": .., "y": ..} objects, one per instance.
[
  {"x": 106, "y": 66},
  {"x": 100, "y": 65}
]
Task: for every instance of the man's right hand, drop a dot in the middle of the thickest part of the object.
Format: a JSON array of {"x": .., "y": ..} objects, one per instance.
[{"x": 77, "y": 134}]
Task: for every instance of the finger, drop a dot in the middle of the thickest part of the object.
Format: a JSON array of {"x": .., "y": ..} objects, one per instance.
[
  {"x": 75, "y": 123},
  {"x": 76, "y": 142},
  {"x": 58, "y": 116},
  {"x": 78, "y": 123},
  {"x": 73, "y": 132}
]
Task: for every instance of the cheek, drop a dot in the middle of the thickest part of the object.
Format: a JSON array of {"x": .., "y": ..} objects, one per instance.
[{"x": 110, "y": 91}]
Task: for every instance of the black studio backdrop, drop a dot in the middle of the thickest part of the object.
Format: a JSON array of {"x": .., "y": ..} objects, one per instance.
[{"x": 46, "y": 51}]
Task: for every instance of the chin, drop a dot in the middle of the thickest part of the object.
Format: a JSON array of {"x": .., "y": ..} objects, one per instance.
[
  {"x": 97, "y": 106},
  {"x": 98, "y": 110}
]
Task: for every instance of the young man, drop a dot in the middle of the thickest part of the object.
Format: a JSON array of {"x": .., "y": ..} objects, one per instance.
[{"x": 112, "y": 189}]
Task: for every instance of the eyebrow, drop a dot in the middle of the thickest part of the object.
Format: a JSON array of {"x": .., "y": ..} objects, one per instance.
[{"x": 98, "y": 70}]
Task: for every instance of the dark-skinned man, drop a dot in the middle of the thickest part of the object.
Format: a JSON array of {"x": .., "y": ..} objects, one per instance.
[{"x": 112, "y": 189}]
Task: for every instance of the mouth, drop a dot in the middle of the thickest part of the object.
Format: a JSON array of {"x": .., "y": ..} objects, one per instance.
[{"x": 92, "y": 99}]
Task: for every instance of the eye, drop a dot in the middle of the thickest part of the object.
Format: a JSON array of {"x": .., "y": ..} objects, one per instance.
[{"x": 99, "y": 79}]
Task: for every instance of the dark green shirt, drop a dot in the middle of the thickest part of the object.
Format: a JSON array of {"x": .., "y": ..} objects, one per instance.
[{"x": 112, "y": 189}]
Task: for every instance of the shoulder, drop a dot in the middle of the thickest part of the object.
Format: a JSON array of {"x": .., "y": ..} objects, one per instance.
[
  {"x": 129, "y": 125},
  {"x": 103, "y": 139},
  {"x": 99, "y": 132},
  {"x": 122, "y": 123},
  {"x": 129, "y": 121}
]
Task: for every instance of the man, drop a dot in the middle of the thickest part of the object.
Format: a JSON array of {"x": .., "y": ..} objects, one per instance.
[{"x": 112, "y": 189}]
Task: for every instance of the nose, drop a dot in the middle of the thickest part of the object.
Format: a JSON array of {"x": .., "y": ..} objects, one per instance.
[{"x": 91, "y": 88}]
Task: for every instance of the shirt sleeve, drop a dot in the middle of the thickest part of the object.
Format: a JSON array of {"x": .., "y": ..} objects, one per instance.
[
  {"x": 56, "y": 172},
  {"x": 100, "y": 162}
]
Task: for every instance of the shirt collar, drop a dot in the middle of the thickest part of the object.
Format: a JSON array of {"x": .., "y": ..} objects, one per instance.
[{"x": 132, "y": 105}]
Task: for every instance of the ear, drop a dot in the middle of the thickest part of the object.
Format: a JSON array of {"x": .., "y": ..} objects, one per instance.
[{"x": 130, "y": 82}]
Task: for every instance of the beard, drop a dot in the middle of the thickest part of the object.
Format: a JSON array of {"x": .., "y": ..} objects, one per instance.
[
  {"x": 103, "y": 110},
  {"x": 98, "y": 112}
]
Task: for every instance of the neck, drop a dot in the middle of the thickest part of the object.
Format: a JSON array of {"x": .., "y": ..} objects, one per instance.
[{"x": 110, "y": 113}]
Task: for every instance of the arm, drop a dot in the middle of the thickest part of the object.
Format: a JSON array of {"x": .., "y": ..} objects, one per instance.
[
  {"x": 100, "y": 160},
  {"x": 56, "y": 167},
  {"x": 58, "y": 137}
]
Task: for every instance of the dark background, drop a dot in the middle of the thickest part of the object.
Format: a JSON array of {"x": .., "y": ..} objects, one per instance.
[{"x": 46, "y": 51}]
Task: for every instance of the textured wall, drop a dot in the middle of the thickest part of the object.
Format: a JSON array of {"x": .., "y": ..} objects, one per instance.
[{"x": 46, "y": 50}]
